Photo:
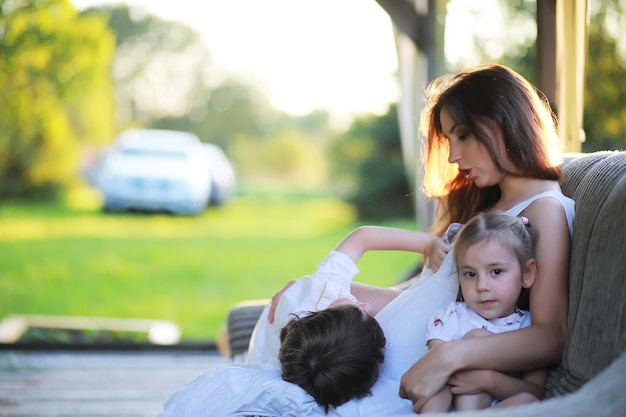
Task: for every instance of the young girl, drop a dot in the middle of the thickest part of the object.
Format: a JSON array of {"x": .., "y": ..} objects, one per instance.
[{"x": 494, "y": 254}]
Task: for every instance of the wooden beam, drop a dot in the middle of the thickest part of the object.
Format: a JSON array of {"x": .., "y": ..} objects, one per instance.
[
  {"x": 572, "y": 22},
  {"x": 408, "y": 21},
  {"x": 545, "y": 68}
]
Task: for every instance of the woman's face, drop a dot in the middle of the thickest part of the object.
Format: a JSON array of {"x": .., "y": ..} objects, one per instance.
[{"x": 468, "y": 153}]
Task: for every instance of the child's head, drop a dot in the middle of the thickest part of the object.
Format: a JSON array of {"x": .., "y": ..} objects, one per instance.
[
  {"x": 333, "y": 354},
  {"x": 494, "y": 254}
]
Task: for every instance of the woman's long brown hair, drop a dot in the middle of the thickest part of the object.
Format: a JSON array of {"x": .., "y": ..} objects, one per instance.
[{"x": 507, "y": 115}]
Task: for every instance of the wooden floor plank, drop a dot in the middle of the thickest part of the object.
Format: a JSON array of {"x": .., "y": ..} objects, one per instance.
[{"x": 95, "y": 384}]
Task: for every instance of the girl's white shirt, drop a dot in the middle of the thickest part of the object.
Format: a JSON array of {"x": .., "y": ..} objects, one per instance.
[{"x": 458, "y": 319}]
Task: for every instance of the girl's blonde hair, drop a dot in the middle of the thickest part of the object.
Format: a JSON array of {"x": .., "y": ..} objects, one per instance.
[
  {"x": 492, "y": 102},
  {"x": 514, "y": 233}
]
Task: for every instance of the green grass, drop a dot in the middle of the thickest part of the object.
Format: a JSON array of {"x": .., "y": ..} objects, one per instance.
[{"x": 58, "y": 261}]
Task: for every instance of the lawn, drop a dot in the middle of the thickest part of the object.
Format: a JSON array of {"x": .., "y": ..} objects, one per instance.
[{"x": 58, "y": 261}]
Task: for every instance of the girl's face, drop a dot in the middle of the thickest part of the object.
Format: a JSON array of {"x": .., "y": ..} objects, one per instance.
[
  {"x": 491, "y": 278},
  {"x": 468, "y": 153}
]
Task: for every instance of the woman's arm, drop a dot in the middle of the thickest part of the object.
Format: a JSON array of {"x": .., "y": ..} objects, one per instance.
[{"x": 539, "y": 345}]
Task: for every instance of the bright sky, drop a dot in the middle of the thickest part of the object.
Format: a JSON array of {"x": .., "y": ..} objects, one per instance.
[{"x": 335, "y": 54}]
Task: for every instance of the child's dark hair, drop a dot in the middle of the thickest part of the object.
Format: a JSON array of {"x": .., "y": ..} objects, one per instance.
[
  {"x": 513, "y": 232},
  {"x": 333, "y": 354}
]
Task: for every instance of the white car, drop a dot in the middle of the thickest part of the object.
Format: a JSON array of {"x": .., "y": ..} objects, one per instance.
[
  {"x": 222, "y": 175},
  {"x": 156, "y": 170}
]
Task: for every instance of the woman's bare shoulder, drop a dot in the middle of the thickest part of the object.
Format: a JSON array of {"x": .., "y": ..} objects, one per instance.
[{"x": 549, "y": 212}]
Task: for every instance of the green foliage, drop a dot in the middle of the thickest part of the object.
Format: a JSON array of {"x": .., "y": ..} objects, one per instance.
[
  {"x": 368, "y": 168},
  {"x": 604, "y": 117},
  {"x": 166, "y": 79},
  {"x": 191, "y": 270},
  {"x": 50, "y": 57},
  {"x": 605, "y": 90},
  {"x": 162, "y": 69},
  {"x": 231, "y": 109}
]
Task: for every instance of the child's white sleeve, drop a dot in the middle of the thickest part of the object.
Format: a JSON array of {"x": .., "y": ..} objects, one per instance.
[
  {"x": 337, "y": 267},
  {"x": 315, "y": 292},
  {"x": 445, "y": 325},
  {"x": 330, "y": 281}
]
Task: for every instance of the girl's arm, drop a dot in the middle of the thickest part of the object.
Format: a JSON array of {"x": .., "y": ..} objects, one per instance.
[
  {"x": 539, "y": 345},
  {"x": 498, "y": 384}
]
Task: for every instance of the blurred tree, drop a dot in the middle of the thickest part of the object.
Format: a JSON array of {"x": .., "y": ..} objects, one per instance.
[
  {"x": 605, "y": 92},
  {"x": 368, "y": 169},
  {"x": 166, "y": 78},
  {"x": 316, "y": 124},
  {"x": 50, "y": 58},
  {"x": 500, "y": 30},
  {"x": 604, "y": 119},
  {"x": 161, "y": 68},
  {"x": 291, "y": 155},
  {"x": 231, "y": 109}
]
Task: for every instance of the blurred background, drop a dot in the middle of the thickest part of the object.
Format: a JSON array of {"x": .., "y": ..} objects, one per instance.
[{"x": 161, "y": 161}]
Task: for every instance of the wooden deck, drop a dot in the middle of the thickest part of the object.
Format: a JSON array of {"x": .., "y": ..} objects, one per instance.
[{"x": 95, "y": 383}]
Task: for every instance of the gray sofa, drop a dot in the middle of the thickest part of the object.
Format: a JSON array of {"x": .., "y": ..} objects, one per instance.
[{"x": 590, "y": 380}]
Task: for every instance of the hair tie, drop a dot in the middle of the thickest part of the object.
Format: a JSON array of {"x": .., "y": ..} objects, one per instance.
[{"x": 524, "y": 220}]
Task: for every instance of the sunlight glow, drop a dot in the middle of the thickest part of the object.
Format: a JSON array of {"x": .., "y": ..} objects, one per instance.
[{"x": 307, "y": 54}]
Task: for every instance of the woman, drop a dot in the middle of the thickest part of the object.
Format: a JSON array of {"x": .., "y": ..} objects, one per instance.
[{"x": 491, "y": 124}]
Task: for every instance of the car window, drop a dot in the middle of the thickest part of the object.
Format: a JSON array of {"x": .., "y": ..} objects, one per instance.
[{"x": 154, "y": 153}]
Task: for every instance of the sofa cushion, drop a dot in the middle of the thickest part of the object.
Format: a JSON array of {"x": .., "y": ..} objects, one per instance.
[{"x": 596, "y": 319}]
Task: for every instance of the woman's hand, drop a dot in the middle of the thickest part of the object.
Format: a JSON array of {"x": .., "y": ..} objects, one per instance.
[
  {"x": 435, "y": 253},
  {"x": 428, "y": 375},
  {"x": 275, "y": 299},
  {"x": 470, "y": 382}
]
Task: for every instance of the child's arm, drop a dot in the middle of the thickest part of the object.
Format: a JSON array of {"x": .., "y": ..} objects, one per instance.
[
  {"x": 367, "y": 238},
  {"x": 498, "y": 384}
]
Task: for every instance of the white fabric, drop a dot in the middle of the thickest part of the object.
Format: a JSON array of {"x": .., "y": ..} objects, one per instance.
[
  {"x": 316, "y": 292},
  {"x": 567, "y": 203},
  {"x": 458, "y": 319},
  {"x": 245, "y": 390}
]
